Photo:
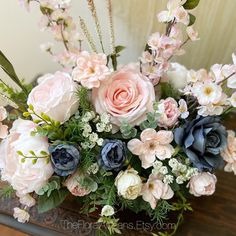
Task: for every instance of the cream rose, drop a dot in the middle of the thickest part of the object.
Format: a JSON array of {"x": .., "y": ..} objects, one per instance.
[
  {"x": 126, "y": 96},
  {"x": 202, "y": 184},
  {"x": 55, "y": 96},
  {"x": 24, "y": 177},
  {"x": 129, "y": 184}
]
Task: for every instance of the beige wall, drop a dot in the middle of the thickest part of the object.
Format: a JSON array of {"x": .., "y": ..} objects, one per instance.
[{"x": 134, "y": 19}]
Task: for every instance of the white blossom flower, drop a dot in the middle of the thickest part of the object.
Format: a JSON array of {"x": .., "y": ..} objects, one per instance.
[
  {"x": 21, "y": 215},
  {"x": 232, "y": 99},
  {"x": 100, "y": 141},
  {"x": 168, "y": 179},
  {"x": 183, "y": 109},
  {"x": 93, "y": 137}
]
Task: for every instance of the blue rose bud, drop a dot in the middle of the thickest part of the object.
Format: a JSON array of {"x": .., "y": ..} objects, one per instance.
[
  {"x": 203, "y": 139},
  {"x": 65, "y": 159},
  {"x": 113, "y": 155}
]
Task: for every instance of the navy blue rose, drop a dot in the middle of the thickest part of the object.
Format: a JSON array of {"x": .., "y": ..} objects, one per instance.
[
  {"x": 65, "y": 159},
  {"x": 202, "y": 139},
  {"x": 113, "y": 155}
]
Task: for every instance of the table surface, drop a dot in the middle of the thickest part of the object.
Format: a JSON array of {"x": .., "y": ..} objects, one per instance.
[{"x": 212, "y": 216}]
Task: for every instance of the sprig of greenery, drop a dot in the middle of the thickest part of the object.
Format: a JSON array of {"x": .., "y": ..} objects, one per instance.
[
  {"x": 34, "y": 157},
  {"x": 83, "y": 96},
  {"x": 114, "y": 56},
  {"x": 48, "y": 127},
  {"x": 53, "y": 184},
  {"x": 6, "y": 192},
  {"x": 111, "y": 224},
  {"x": 128, "y": 131},
  {"x": 151, "y": 121}
]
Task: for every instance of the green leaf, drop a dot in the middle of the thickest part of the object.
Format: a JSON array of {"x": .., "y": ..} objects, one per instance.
[
  {"x": 7, "y": 67},
  {"x": 119, "y": 48},
  {"x": 191, "y": 4},
  {"x": 192, "y": 19},
  {"x": 46, "y": 203}
]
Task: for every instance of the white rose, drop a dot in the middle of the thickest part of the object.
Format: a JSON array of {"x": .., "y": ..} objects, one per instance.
[
  {"x": 24, "y": 177},
  {"x": 21, "y": 215},
  {"x": 107, "y": 211},
  {"x": 202, "y": 184},
  {"x": 129, "y": 184},
  {"x": 55, "y": 96}
]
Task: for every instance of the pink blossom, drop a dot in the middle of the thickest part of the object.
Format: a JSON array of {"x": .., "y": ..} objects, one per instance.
[
  {"x": 169, "y": 112},
  {"x": 192, "y": 34},
  {"x": 151, "y": 146},
  {"x": 126, "y": 95},
  {"x": 154, "y": 190},
  {"x": 91, "y": 69},
  {"x": 229, "y": 154},
  {"x": 3, "y": 128},
  {"x": 181, "y": 15}
]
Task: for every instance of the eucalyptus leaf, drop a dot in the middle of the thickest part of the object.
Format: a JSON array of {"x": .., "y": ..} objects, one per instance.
[
  {"x": 192, "y": 19},
  {"x": 46, "y": 203},
  {"x": 191, "y": 4}
]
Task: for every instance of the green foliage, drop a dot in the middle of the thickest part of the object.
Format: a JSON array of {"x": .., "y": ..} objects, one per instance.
[
  {"x": 46, "y": 203},
  {"x": 167, "y": 90},
  {"x": 111, "y": 224},
  {"x": 83, "y": 96},
  {"x": 105, "y": 194},
  {"x": 151, "y": 121},
  {"x": 128, "y": 131},
  {"x": 7, "y": 67},
  {"x": 48, "y": 127},
  {"x": 115, "y": 55},
  {"x": 87, "y": 159},
  {"x": 53, "y": 184},
  {"x": 192, "y": 19},
  {"x": 6, "y": 192},
  {"x": 191, "y": 4},
  {"x": 34, "y": 157}
]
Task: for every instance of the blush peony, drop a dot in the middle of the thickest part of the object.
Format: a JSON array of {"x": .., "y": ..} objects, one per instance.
[
  {"x": 24, "y": 177},
  {"x": 55, "y": 96},
  {"x": 126, "y": 96},
  {"x": 202, "y": 184}
]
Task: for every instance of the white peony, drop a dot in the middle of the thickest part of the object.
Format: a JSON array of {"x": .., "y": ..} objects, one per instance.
[
  {"x": 129, "y": 184},
  {"x": 24, "y": 177}
]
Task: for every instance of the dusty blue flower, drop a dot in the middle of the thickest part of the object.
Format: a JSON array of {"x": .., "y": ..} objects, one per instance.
[
  {"x": 65, "y": 159},
  {"x": 202, "y": 139},
  {"x": 113, "y": 155}
]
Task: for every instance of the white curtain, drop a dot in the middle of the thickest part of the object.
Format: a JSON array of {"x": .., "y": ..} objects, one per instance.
[{"x": 134, "y": 21}]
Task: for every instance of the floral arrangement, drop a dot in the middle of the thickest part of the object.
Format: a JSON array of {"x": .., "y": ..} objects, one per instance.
[{"x": 116, "y": 136}]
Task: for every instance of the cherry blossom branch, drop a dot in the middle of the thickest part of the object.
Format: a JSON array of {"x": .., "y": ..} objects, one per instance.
[{"x": 225, "y": 79}]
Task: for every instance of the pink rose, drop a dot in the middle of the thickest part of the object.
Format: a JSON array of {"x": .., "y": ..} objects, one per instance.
[
  {"x": 73, "y": 185},
  {"x": 55, "y": 96},
  {"x": 24, "y": 177},
  {"x": 126, "y": 96},
  {"x": 202, "y": 184},
  {"x": 169, "y": 111}
]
